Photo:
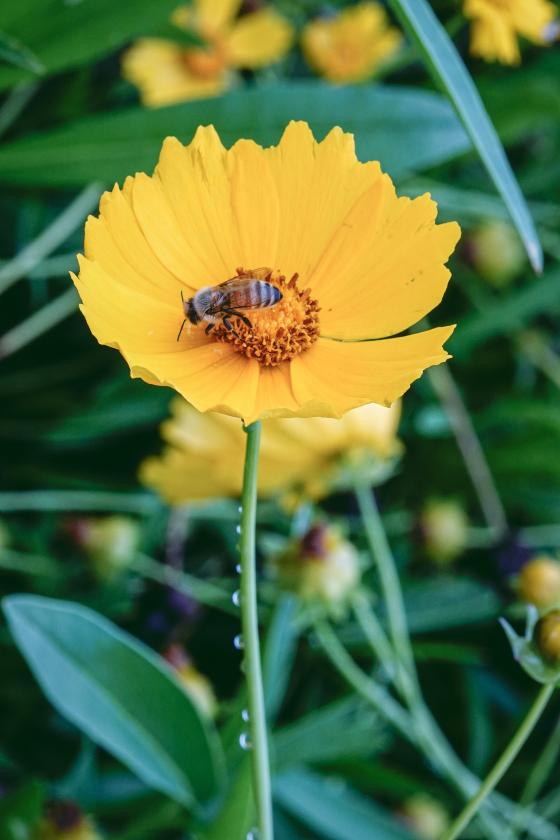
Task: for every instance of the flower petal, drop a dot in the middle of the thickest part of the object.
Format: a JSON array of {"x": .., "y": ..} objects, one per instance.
[
  {"x": 215, "y": 15},
  {"x": 196, "y": 183},
  {"x": 116, "y": 242},
  {"x": 258, "y": 39},
  {"x": 364, "y": 371},
  {"x": 255, "y": 205},
  {"x": 317, "y": 184},
  {"x": 384, "y": 269}
]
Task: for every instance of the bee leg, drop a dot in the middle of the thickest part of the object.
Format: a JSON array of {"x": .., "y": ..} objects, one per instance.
[
  {"x": 229, "y": 326},
  {"x": 209, "y": 328},
  {"x": 243, "y": 317}
]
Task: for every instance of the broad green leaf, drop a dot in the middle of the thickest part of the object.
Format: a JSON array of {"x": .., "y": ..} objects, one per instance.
[
  {"x": 448, "y": 69},
  {"x": 119, "y": 693},
  {"x": 345, "y": 728},
  {"x": 333, "y": 811},
  {"x": 407, "y": 130},
  {"x": 61, "y": 35},
  {"x": 237, "y": 815}
]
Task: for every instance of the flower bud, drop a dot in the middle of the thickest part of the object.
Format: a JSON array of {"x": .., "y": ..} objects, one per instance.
[
  {"x": 425, "y": 816},
  {"x": 496, "y": 253},
  {"x": 110, "y": 543},
  {"x": 64, "y": 820},
  {"x": 539, "y": 581},
  {"x": 196, "y": 685},
  {"x": 444, "y": 525},
  {"x": 321, "y": 567},
  {"x": 547, "y": 636}
]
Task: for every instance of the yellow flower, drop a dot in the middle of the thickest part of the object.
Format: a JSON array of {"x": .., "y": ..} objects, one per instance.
[
  {"x": 497, "y": 24},
  {"x": 167, "y": 72},
  {"x": 362, "y": 264},
  {"x": 350, "y": 46},
  {"x": 300, "y": 457}
]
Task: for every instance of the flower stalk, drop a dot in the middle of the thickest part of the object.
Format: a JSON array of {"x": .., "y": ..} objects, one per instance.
[
  {"x": 250, "y": 629},
  {"x": 503, "y": 763}
]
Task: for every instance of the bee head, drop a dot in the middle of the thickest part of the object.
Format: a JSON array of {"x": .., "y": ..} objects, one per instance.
[{"x": 191, "y": 312}]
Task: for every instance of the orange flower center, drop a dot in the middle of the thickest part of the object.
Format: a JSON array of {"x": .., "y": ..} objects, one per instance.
[
  {"x": 277, "y": 333},
  {"x": 208, "y": 62}
]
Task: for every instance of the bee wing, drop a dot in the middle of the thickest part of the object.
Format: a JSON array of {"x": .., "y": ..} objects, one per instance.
[{"x": 239, "y": 293}]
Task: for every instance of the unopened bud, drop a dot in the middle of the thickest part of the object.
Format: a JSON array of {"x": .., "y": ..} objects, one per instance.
[
  {"x": 196, "y": 685},
  {"x": 321, "y": 567},
  {"x": 547, "y": 636},
  {"x": 539, "y": 581},
  {"x": 444, "y": 527},
  {"x": 426, "y": 817},
  {"x": 64, "y": 820},
  {"x": 110, "y": 543},
  {"x": 496, "y": 253}
]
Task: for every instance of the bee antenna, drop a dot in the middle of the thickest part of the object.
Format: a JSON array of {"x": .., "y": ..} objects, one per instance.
[
  {"x": 181, "y": 330},
  {"x": 182, "y": 298}
]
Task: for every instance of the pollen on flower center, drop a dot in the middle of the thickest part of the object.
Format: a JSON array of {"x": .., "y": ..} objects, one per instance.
[{"x": 277, "y": 333}]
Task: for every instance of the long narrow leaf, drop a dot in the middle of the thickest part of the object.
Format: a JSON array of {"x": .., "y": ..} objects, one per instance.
[{"x": 448, "y": 69}]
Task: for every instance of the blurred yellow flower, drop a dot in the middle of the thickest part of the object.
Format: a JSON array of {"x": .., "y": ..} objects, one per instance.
[
  {"x": 363, "y": 264},
  {"x": 299, "y": 457},
  {"x": 350, "y": 46},
  {"x": 497, "y": 25},
  {"x": 167, "y": 71}
]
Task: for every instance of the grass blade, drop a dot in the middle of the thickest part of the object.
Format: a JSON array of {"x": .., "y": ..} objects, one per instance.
[{"x": 449, "y": 71}]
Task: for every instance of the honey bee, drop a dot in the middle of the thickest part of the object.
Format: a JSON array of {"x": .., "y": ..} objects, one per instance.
[{"x": 233, "y": 297}]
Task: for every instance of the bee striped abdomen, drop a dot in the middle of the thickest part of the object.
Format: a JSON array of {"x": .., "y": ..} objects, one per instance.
[{"x": 267, "y": 294}]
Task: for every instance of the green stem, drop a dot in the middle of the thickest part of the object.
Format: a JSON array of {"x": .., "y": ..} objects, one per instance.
[
  {"x": 503, "y": 763},
  {"x": 383, "y": 557},
  {"x": 538, "y": 776},
  {"x": 207, "y": 592},
  {"x": 250, "y": 629},
  {"x": 376, "y": 695}
]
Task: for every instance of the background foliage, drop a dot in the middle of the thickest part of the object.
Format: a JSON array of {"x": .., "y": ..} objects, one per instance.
[{"x": 73, "y": 428}]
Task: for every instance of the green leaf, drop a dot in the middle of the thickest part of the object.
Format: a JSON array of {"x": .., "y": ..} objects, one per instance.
[
  {"x": 237, "y": 816},
  {"x": 508, "y": 314},
  {"x": 334, "y": 811},
  {"x": 345, "y": 728},
  {"x": 448, "y": 69},
  {"x": 119, "y": 693},
  {"x": 279, "y": 653},
  {"x": 61, "y": 35},
  {"x": 14, "y": 52},
  {"x": 21, "y": 810},
  {"x": 405, "y": 129},
  {"x": 438, "y": 603}
]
